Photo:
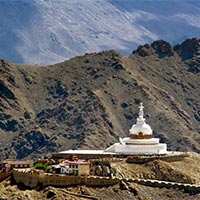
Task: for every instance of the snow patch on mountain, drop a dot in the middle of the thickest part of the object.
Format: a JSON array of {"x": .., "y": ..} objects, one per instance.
[{"x": 50, "y": 31}]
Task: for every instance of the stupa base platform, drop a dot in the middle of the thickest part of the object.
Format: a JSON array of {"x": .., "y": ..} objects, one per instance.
[{"x": 158, "y": 149}]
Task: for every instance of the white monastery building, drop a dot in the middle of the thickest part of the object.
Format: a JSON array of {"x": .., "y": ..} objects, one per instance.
[{"x": 140, "y": 141}]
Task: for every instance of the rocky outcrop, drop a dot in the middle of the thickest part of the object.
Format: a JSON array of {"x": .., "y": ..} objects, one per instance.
[
  {"x": 162, "y": 48},
  {"x": 188, "y": 49},
  {"x": 102, "y": 169},
  {"x": 159, "y": 47},
  {"x": 144, "y": 50}
]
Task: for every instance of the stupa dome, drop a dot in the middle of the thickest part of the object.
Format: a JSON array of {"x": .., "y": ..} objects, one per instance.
[{"x": 140, "y": 129}]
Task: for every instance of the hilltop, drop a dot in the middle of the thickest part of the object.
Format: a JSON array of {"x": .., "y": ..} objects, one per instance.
[{"x": 90, "y": 101}]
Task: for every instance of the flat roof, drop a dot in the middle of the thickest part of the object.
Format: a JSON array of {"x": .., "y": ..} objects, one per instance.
[
  {"x": 85, "y": 152},
  {"x": 17, "y": 161}
]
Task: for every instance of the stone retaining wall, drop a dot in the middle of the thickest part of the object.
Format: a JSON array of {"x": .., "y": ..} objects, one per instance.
[
  {"x": 29, "y": 179},
  {"x": 101, "y": 181},
  {"x": 32, "y": 180},
  {"x": 139, "y": 159}
]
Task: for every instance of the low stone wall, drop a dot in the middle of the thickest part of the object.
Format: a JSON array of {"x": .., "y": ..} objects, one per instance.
[
  {"x": 33, "y": 180},
  {"x": 172, "y": 157},
  {"x": 101, "y": 181},
  {"x": 189, "y": 188},
  {"x": 28, "y": 178},
  {"x": 59, "y": 180}
]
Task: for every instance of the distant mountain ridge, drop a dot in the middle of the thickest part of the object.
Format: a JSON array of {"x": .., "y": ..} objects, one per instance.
[
  {"x": 90, "y": 101},
  {"x": 49, "y": 31}
]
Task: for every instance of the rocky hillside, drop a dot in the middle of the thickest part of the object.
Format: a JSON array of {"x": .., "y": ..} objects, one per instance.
[{"x": 90, "y": 101}]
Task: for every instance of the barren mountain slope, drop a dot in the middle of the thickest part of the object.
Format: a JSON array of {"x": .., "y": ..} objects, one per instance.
[{"x": 90, "y": 101}]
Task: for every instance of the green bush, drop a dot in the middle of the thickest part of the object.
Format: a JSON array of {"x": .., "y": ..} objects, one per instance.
[
  {"x": 47, "y": 169},
  {"x": 41, "y": 166}
]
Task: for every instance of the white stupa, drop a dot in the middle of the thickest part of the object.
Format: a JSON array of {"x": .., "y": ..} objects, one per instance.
[{"x": 140, "y": 140}]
